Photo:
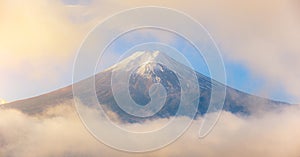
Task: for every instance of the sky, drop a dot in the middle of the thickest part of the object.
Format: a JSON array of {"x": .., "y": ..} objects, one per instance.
[{"x": 257, "y": 39}]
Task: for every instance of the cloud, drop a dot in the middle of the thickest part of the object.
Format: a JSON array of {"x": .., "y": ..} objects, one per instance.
[
  {"x": 59, "y": 132},
  {"x": 31, "y": 30},
  {"x": 39, "y": 38},
  {"x": 262, "y": 35},
  {"x": 38, "y": 43}
]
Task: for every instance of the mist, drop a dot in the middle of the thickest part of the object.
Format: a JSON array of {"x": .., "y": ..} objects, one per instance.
[{"x": 59, "y": 132}]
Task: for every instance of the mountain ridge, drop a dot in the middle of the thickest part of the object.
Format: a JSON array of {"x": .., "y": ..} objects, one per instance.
[{"x": 235, "y": 100}]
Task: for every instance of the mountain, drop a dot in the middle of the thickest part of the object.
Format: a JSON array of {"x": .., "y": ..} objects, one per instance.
[{"x": 151, "y": 71}]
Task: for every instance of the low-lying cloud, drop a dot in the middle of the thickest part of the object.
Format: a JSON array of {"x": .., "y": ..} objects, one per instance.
[{"x": 59, "y": 132}]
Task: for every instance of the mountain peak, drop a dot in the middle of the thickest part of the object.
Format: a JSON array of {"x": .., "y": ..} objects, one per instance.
[
  {"x": 151, "y": 55},
  {"x": 139, "y": 58},
  {"x": 150, "y": 67},
  {"x": 145, "y": 55}
]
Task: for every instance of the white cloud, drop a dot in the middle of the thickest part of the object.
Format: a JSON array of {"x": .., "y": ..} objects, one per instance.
[
  {"x": 262, "y": 35},
  {"x": 37, "y": 37},
  {"x": 38, "y": 43},
  {"x": 59, "y": 132}
]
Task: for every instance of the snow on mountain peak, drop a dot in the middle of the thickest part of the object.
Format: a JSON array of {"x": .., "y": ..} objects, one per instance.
[{"x": 138, "y": 58}]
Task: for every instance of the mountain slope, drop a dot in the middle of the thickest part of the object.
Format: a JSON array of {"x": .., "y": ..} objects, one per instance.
[{"x": 149, "y": 72}]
